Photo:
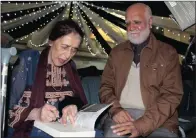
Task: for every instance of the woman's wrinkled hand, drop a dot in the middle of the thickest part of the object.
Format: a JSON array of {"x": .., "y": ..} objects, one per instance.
[
  {"x": 69, "y": 114},
  {"x": 48, "y": 113}
]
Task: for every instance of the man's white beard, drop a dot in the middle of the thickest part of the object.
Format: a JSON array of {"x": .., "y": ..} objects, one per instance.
[{"x": 143, "y": 36}]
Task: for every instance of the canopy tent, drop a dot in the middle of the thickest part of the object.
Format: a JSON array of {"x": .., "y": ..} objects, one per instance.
[{"x": 103, "y": 23}]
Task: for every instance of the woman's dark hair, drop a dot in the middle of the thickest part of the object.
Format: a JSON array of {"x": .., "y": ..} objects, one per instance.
[{"x": 65, "y": 27}]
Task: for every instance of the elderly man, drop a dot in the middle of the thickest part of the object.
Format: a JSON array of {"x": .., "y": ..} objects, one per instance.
[{"x": 142, "y": 77}]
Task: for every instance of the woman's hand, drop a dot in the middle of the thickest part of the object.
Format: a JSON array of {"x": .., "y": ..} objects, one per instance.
[
  {"x": 69, "y": 114},
  {"x": 48, "y": 113}
]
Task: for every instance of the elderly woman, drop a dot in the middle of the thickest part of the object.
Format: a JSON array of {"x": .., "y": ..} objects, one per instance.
[{"x": 56, "y": 81}]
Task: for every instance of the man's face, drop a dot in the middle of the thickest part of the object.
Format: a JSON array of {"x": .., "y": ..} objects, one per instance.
[
  {"x": 64, "y": 48},
  {"x": 138, "y": 27}
]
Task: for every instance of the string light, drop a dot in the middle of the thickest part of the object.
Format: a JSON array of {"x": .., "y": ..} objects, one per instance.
[
  {"x": 26, "y": 36},
  {"x": 176, "y": 35},
  {"x": 94, "y": 35},
  {"x": 110, "y": 11},
  {"x": 35, "y": 19},
  {"x": 103, "y": 8},
  {"x": 96, "y": 24},
  {"x": 36, "y": 31},
  {"x": 86, "y": 37},
  {"x": 115, "y": 11},
  {"x": 38, "y": 45},
  {"x": 106, "y": 10},
  {"x": 67, "y": 11},
  {"x": 20, "y": 18}
]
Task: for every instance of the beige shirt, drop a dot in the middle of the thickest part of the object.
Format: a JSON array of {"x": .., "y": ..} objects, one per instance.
[{"x": 131, "y": 93}]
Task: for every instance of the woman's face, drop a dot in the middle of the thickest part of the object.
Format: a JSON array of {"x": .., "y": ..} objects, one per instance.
[{"x": 63, "y": 49}]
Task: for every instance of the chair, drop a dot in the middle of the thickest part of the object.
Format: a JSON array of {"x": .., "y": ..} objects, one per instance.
[
  {"x": 186, "y": 109},
  {"x": 22, "y": 75},
  {"x": 91, "y": 85}
]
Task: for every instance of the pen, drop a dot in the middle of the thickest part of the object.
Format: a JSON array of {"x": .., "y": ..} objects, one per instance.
[
  {"x": 58, "y": 118},
  {"x": 52, "y": 103}
]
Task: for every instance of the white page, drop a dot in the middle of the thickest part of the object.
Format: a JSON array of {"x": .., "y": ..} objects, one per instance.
[
  {"x": 88, "y": 116},
  {"x": 57, "y": 129}
]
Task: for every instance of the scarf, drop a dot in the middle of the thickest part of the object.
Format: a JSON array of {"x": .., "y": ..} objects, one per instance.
[
  {"x": 137, "y": 48},
  {"x": 24, "y": 128}
]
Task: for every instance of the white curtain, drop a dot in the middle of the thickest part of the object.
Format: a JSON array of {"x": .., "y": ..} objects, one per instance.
[
  {"x": 95, "y": 17},
  {"x": 11, "y": 7},
  {"x": 87, "y": 33},
  {"x": 28, "y": 18},
  {"x": 41, "y": 36}
]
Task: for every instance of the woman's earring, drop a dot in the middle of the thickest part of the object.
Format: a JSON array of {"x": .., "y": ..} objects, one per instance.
[{"x": 49, "y": 44}]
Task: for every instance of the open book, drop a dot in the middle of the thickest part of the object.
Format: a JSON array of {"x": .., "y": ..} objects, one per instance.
[
  {"x": 183, "y": 13},
  {"x": 84, "y": 125}
]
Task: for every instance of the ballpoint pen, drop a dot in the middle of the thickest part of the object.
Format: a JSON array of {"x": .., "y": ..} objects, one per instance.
[
  {"x": 58, "y": 118},
  {"x": 52, "y": 103}
]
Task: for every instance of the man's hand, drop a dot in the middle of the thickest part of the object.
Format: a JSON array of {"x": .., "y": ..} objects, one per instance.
[
  {"x": 125, "y": 128},
  {"x": 122, "y": 116},
  {"x": 69, "y": 114},
  {"x": 48, "y": 113}
]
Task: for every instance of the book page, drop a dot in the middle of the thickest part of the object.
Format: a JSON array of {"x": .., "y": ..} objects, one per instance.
[
  {"x": 86, "y": 120},
  {"x": 56, "y": 129},
  {"x": 183, "y": 12},
  {"x": 83, "y": 127},
  {"x": 88, "y": 116}
]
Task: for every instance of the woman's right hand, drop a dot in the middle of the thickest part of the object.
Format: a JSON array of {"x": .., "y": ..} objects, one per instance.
[{"x": 48, "y": 113}]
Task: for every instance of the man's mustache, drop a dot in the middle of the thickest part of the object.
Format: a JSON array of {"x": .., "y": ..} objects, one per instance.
[{"x": 133, "y": 32}]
